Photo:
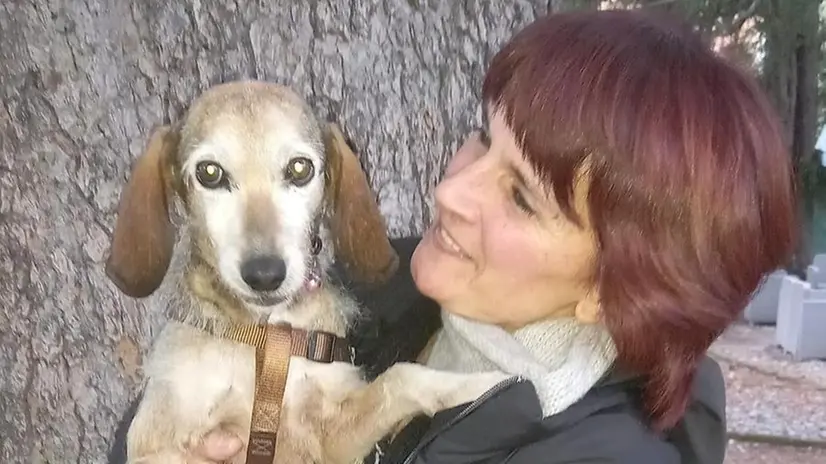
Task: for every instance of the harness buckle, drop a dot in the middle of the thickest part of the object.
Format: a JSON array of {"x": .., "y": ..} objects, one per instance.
[{"x": 320, "y": 347}]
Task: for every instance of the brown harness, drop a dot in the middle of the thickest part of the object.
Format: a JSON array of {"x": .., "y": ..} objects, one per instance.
[{"x": 274, "y": 344}]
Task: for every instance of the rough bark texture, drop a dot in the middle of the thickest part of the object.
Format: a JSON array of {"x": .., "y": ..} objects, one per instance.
[{"x": 84, "y": 81}]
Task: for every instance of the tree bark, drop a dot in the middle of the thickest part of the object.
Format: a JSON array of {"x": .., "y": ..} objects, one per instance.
[
  {"x": 790, "y": 72},
  {"x": 84, "y": 82}
]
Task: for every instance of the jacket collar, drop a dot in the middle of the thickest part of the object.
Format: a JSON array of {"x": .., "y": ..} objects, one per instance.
[
  {"x": 523, "y": 414},
  {"x": 700, "y": 437}
]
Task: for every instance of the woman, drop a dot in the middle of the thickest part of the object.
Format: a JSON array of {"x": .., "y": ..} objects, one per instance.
[{"x": 628, "y": 195}]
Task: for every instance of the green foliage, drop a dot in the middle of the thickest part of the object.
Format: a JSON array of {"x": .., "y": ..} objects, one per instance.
[
  {"x": 580, "y": 5},
  {"x": 720, "y": 17},
  {"x": 812, "y": 176}
]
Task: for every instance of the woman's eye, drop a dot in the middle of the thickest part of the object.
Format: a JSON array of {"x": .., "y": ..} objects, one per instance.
[
  {"x": 211, "y": 175},
  {"x": 299, "y": 171},
  {"x": 520, "y": 201}
]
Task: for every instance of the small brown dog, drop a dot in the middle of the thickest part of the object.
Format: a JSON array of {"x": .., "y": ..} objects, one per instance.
[{"x": 269, "y": 197}]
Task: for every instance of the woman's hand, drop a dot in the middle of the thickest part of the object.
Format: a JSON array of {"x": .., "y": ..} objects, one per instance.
[{"x": 217, "y": 446}]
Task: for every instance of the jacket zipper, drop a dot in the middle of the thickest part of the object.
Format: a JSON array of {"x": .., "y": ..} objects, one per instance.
[{"x": 469, "y": 409}]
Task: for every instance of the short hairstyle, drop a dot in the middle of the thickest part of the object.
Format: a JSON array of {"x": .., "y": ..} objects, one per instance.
[{"x": 691, "y": 187}]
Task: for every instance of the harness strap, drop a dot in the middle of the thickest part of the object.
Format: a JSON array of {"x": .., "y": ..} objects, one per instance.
[
  {"x": 314, "y": 345},
  {"x": 270, "y": 381},
  {"x": 274, "y": 344}
]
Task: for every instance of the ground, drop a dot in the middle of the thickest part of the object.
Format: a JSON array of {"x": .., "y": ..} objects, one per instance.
[
  {"x": 776, "y": 407},
  {"x": 758, "y": 453}
]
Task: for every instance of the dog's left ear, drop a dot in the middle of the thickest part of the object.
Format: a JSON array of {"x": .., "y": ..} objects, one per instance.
[
  {"x": 144, "y": 237},
  {"x": 358, "y": 227}
]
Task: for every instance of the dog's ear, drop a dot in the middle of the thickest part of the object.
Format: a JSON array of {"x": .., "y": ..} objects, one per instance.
[
  {"x": 358, "y": 228},
  {"x": 144, "y": 236}
]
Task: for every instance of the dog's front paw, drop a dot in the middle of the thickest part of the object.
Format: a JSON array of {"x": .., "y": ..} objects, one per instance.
[
  {"x": 435, "y": 390},
  {"x": 473, "y": 386},
  {"x": 462, "y": 389}
]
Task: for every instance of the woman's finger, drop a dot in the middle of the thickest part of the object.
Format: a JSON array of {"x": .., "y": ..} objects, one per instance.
[{"x": 217, "y": 446}]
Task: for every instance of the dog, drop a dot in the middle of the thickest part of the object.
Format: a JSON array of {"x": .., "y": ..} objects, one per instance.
[{"x": 233, "y": 216}]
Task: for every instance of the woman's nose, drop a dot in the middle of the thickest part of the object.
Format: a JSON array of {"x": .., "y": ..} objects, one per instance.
[
  {"x": 471, "y": 150},
  {"x": 458, "y": 192}
]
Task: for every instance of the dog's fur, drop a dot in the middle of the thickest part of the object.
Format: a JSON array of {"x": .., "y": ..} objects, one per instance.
[{"x": 196, "y": 382}]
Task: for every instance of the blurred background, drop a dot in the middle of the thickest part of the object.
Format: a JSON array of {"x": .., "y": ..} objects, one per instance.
[{"x": 83, "y": 82}]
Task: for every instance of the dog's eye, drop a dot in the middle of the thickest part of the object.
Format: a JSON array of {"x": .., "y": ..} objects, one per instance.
[
  {"x": 299, "y": 171},
  {"x": 210, "y": 175}
]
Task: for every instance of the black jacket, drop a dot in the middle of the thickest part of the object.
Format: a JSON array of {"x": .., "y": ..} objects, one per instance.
[{"x": 505, "y": 426}]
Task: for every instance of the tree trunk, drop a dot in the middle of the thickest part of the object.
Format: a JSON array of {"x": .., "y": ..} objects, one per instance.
[
  {"x": 790, "y": 73},
  {"x": 807, "y": 60},
  {"x": 83, "y": 84}
]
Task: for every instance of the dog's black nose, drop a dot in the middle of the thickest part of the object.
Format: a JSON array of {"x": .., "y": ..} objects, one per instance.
[{"x": 264, "y": 273}]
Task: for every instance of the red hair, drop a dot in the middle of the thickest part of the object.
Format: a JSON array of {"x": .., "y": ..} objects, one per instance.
[{"x": 691, "y": 192}]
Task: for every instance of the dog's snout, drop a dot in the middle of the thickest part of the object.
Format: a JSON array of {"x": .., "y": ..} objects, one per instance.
[{"x": 265, "y": 273}]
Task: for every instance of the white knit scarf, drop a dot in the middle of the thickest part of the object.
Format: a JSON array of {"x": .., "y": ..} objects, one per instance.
[{"x": 563, "y": 358}]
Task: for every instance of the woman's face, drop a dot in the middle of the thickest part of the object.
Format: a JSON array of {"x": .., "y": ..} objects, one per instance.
[{"x": 500, "y": 250}]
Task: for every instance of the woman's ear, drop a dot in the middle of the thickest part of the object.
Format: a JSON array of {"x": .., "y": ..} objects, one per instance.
[
  {"x": 358, "y": 228},
  {"x": 144, "y": 236},
  {"x": 588, "y": 309}
]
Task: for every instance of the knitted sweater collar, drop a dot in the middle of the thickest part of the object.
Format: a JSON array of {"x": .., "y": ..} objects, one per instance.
[{"x": 562, "y": 357}]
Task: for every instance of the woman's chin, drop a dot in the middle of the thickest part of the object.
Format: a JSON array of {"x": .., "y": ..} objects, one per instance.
[
  {"x": 429, "y": 277},
  {"x": 435, "y": 277}
]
